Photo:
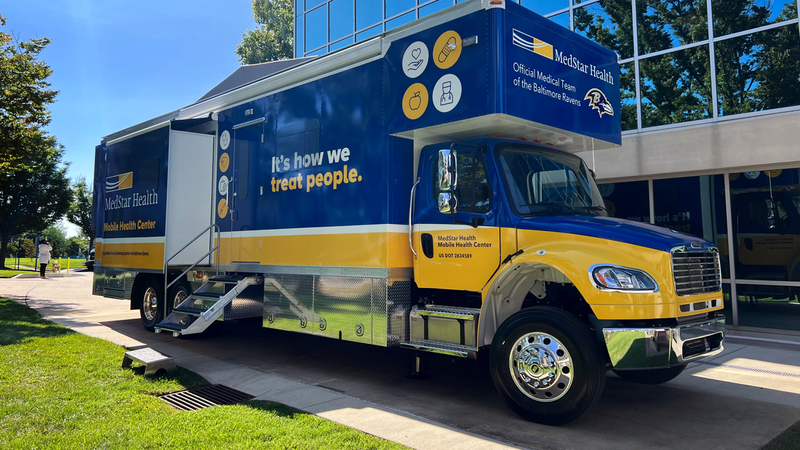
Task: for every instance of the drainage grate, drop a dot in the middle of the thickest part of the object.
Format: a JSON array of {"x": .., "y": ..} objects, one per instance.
[{"x": 205, "y": 397}]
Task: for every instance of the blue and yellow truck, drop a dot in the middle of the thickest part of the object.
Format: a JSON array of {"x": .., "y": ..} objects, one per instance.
[{"x": 418, "y": 189}]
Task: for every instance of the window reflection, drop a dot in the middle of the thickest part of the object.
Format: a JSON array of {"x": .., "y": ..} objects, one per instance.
[
  {"x": 434, "y": 7},
  {"x": 561, "y": 19},
  {"x": 676, "y": 87},
  {"x": 758, "y": 71},
  {"x": 732, "y": 17},
  {"x": 341, "y": 18},
  {"x": 316, "y": 28},
  {"x": 629, "y": 200},
  {"x": 663, "y": 25},
  {"x": 627, "y": 83},
  {"x": 395, "y": 7},
  {"x": 368, "y": 12},
  {"x": 545, "y": 6},
  {"x": 609, "y": 23},
  {"x": 766, "y": 221}
]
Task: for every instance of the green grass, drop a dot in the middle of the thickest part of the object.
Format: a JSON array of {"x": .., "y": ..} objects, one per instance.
[
  {"x": 11, "y": 273},
  {"x": 788, "y": 440},
  {"x": 60, "y": 389}
]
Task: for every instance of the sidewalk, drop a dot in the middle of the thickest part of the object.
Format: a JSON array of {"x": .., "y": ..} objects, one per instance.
[{"x": 741, "y": 399}]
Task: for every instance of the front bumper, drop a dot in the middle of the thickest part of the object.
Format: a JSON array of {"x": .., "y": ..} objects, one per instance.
[{"x": 651, "y": 348}]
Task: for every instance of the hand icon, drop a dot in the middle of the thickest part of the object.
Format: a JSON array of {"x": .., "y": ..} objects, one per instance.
[{"x": 414, "y": 65}]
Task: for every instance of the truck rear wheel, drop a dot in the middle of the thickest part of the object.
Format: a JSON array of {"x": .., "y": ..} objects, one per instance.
[
  {"x": 547, "y": 365},
  {"x": 651, "y": 376},
  {"x": 152, "y": 304}
]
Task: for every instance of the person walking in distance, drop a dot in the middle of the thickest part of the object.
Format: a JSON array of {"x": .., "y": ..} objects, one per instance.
[{"x": 44, "y": 257}]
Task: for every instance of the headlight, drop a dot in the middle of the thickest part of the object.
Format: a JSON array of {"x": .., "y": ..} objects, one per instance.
[{"x": 622, "y": 278}]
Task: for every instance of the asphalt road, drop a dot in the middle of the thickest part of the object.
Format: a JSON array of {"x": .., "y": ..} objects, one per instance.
[{"x": 739, "y": 400}]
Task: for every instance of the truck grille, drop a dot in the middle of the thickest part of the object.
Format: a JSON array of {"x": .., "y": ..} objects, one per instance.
[{"x": 696, "y": 272}]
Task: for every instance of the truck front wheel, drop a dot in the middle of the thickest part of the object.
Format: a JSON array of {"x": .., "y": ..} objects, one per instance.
[
  {"x": 152, "y": 305},
  {"x": 651, "y": 376},
  {"x": 547, "y": 365}
]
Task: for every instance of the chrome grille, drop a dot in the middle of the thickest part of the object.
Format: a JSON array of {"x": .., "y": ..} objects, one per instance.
[{"x": 696, "y": 272}]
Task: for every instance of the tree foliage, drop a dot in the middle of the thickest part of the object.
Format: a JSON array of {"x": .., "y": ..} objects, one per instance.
[
  {"x": 80, "y": 211},
  {"x": 32, "y": 200},
  {"x": 24, "y": 96},
  {"x": 272, "y": 38},
  {"x": 22, "y": 248},
  {"x": 57, "y": 238},
  {"x": 34, "y": 189},
  {"x": 754, "y": 72}
]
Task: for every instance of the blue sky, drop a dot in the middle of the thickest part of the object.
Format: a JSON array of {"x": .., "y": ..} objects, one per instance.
[{"x": 117, "y": 63}]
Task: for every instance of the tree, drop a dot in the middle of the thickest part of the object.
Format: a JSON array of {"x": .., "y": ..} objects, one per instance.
[
  {"x": 272, "y": 38},
  {"x": 24, "y": 96},
  {"x": 32, "y": 200},
  {"x": 80, "y": 211},
  {"x": 34, "y": 189},
  {"x": 22, "y": 247},
  {"x": 57, "y": 238}
]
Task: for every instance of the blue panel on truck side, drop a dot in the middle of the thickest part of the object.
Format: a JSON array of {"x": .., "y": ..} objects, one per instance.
[
  {"x": 135, "y": 189},
  {"x": 322, "y": 159},
  {"x": 440, "y": 75},
  {"x": 557, "y": 78}
]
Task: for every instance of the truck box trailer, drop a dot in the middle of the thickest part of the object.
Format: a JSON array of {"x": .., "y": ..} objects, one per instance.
[{"x": 418, "y": 189}]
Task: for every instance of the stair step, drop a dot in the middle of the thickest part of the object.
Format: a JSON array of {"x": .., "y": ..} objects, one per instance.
[
  {"x": 450, "y": 312},
  {"x": 208, "y": 295},
  {"x": 189, "y": 310},
  {"x": 444, "y": 348},
  {"x": 169, "y": 326}
]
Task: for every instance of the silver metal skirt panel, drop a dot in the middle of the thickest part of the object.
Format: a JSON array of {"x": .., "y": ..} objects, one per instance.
[{"x": 357, "y": 309}]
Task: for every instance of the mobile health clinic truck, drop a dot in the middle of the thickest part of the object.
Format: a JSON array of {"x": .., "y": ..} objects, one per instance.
[{"x": 418, "y": 189}]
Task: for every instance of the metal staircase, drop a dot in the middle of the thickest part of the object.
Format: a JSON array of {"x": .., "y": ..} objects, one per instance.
[{"x": 206, "y": 304}]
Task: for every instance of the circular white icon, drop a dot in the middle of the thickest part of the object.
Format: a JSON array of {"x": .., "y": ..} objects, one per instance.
[
  {"x": 225, "y": 140},
  {"x": 446, "y": 93},
  {"x": 415, "y": 59},
  {"x": 223, "y": 185},
  {"x": 752, "y": 175}
]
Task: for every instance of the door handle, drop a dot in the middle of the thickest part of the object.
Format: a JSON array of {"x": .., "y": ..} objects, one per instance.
[{"x": 427, "y": 244}]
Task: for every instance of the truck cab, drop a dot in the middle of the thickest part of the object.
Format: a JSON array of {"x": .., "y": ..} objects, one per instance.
[{"x": 519, "y": 230}]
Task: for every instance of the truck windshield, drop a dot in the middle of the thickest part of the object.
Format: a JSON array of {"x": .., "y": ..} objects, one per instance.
[{"x": 544, "y": 182}]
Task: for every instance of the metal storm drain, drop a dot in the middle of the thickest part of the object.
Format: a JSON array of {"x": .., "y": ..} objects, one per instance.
[{"x": 205, "y": 397}]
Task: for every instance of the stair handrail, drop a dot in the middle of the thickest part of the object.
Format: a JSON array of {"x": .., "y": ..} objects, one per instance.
[{"x": 166, "y": 263}]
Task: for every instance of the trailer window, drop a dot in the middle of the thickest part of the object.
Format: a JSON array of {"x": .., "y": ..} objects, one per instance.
[{"x": 472, "y": 191}]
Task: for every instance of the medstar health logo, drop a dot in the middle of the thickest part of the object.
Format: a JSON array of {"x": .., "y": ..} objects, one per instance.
[
  {"x": 119, "y": 182},
  {"x": 599, "y": 102},
  {"x": 531, "y": 44}
]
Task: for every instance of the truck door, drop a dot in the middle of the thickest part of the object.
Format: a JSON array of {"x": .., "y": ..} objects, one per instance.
[
  {"x": 452, "y": 255},
  {"x": 247, "y": 140}
]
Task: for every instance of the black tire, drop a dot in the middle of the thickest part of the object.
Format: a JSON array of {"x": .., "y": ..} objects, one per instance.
[
  {"x": 151, "y": 308},
  {"x": 90, "y": 266},
  {"x": 177, "y": 294},
  {"x": 651, "y": 376},
  {"x": 553, "y": 346}
]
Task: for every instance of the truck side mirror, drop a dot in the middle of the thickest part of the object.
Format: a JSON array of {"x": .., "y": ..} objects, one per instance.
[
  {"x": 446, "y": 172},
  {"x": 446, "y": 180}
]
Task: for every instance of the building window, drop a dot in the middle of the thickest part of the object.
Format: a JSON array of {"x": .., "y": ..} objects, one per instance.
[
  {"x": 664, "y": 25},
  {"x": 733, "y": 17},
  {"x": 758, "y": 71},
  {"x": 676, "y": 87},
  {"x": 609, "y": 23},
  {"x": 317, "y": 28}
]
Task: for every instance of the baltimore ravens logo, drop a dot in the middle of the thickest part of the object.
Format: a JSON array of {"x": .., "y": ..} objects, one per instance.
[{"x": 598, "y": 101}]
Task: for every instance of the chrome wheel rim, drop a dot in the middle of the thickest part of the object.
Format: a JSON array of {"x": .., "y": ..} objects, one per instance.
[
  {"x": 180, "y": 296},
  {"x": 150, "y": 304},
  {"x": 541, "y": 367}
]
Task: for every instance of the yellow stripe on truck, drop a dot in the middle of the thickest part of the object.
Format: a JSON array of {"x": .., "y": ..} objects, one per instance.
[
  {"x": 131, "y": 256},
  {"x": 390, "y": 250}
]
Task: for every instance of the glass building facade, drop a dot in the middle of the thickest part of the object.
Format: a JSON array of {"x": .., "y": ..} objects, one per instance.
[{"x": 710, "y": 119}]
